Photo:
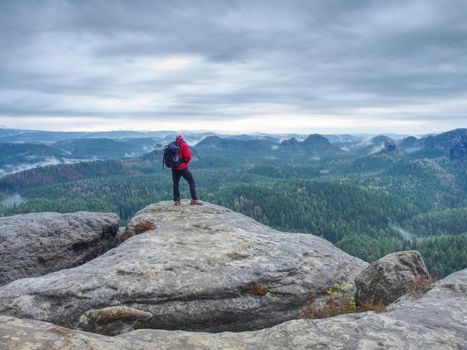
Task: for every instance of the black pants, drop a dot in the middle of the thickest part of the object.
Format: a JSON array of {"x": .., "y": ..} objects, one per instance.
[{"x": 186, "y": 174}]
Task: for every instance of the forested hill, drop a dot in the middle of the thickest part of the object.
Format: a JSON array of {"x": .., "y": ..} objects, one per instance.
[
  {"x": 400, "y": 196},
  {"x": 23, "y": 149}
]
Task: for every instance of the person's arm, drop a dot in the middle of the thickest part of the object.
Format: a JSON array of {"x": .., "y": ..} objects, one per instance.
[{"x": 186, "y": 155}]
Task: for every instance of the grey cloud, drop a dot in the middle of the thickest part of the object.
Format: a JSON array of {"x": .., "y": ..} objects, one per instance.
[{"x": 329, "y": 57}]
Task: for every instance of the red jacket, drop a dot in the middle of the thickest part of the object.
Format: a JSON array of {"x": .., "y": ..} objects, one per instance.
[{"x": 183, "y": 152}]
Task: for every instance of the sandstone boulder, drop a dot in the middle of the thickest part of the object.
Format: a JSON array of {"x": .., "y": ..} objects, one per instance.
[
  {"x": 39, "y": 243},
  {"x": 435, "y": 321},
  {"x": 201, "y": 268},
  {"x": 390, "y": 277}
]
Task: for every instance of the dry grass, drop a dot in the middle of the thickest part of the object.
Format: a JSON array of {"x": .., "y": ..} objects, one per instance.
[
  {"x": 420, "y": 286},
  {"x": 125, "y": 235},
  {"x": 255, "y": 288},
  {"x": 340, "y": 301},
  {"x": 335, "y": 306},
  {"x": 143, "y": 226},
  {"x": 331, "y": 307},
  {"x": 137, "y": 229},
  {"x": 370, "y": 306}
]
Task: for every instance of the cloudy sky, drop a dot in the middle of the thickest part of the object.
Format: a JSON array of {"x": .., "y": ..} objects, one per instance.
[{"x": 234, "y": 66}]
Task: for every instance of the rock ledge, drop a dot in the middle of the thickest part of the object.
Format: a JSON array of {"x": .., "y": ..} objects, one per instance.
[{"x": 202, "y": 268}]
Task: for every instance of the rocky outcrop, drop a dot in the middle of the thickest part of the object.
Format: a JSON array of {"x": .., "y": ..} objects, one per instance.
[
  {"x": 200, "y": 268},
  {"x": 40, "y": 243},
  {"x": 435, "y": 321},
  {"x": 389, "y": 277},
  {"x": 314, "y": 145}
]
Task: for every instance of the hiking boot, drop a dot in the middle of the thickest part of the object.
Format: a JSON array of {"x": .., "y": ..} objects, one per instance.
[
  {"x": 177, "y": 203},
  {"x": 196, "y": 202}
]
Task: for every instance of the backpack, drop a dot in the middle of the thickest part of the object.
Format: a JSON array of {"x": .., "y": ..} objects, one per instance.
[{"x": 171, "y": 158}]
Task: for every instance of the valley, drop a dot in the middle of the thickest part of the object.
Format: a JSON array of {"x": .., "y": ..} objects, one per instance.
[{"x": 364, "y": 194}]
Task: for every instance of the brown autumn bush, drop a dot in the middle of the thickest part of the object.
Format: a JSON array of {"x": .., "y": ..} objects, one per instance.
[
  {"x": 143, "y": 226},
  {"x": 371, "y": 306},
  {"x": 255, "y": 288},
  {"x": 137, "y": 229},
  {"x": 339, "y": 301},
  {"x": 420, "y": 286}
]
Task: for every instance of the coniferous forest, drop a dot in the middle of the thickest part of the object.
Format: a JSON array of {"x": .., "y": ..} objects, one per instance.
[{"x": 367, "y": 203}]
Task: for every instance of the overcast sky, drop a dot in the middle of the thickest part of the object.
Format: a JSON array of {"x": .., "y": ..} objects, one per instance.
[{"x": 234, "y": 66}]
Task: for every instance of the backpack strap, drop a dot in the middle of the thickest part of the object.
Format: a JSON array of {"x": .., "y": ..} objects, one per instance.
[{"x": 179, "y": 149}]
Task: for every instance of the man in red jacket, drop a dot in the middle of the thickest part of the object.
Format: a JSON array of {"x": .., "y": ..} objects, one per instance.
[{"x": 182, "y": 171}]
